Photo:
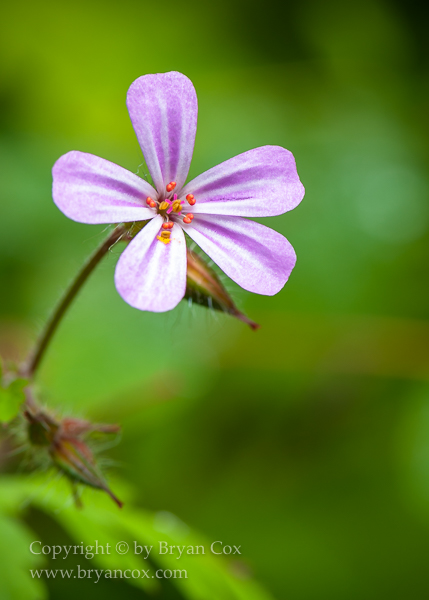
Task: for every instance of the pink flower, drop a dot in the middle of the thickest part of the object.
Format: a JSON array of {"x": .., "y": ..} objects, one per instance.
[{"x": 151, "y": 272}]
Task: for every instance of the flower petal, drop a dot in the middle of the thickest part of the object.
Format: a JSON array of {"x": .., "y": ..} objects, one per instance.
[
  {"x": 90, "y": 189},
  {"x": 151, "y": 275},
  {"x": 259, "y": 183},
  {"x": 163, "y": 109},
  {"x": 254, "y": 256}
]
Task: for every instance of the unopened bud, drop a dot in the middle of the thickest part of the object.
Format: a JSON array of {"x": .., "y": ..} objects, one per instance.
[
  {"x": 67, "y": 448},
  {"x": 73, "y": 457}
]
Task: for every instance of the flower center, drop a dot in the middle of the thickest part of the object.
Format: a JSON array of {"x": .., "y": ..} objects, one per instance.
[{"x": 168, "y": 208}]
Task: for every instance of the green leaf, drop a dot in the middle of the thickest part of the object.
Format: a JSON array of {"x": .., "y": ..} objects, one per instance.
[
  {"x": 208, "y": 576},
  {"x": 16, "y": 560},
  {"x": 11, "y": 399}
]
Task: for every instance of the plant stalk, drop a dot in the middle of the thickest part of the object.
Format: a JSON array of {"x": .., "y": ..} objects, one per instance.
[{"x": 70, "y": 294}]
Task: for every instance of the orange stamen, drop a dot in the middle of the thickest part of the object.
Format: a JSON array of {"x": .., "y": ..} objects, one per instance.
[
  {"x": 190, "y": 216},
  {"x": 190, "y": 198},
  {"x": 171, "y": 186},
  {"x": 187, "y": 220}
]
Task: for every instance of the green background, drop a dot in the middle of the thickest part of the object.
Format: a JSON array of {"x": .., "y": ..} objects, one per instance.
[{"x": 306, "y": 442}]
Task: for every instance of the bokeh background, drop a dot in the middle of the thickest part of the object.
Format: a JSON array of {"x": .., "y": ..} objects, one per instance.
[{"x": 307, "y": 442}]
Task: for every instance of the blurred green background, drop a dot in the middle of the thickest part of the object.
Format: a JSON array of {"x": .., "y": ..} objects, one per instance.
[{"x": 307, "y": 442}]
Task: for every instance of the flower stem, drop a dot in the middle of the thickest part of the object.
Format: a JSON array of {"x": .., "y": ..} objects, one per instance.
[{"x": 61, "y": 308}]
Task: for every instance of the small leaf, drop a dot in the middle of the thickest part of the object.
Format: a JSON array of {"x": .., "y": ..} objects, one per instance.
[{"x": 11, "y": 399}]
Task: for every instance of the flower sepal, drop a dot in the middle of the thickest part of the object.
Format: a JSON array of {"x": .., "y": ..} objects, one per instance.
[
  {"x": 132, "y": 229},
  {"x": 204, "y": 287}
]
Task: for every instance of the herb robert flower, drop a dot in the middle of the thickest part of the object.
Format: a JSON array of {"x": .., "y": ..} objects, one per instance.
[{"x": 151, "y": 272}]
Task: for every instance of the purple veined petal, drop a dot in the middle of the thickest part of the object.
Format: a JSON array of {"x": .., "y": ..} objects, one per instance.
[
  {"x": 254, "y": 256},
  {"x": 163, "y": 110},
  {"x": 90, "y": 189},
  {"x": 151, "y": 275},
  {"x": 259, "y": 183}
]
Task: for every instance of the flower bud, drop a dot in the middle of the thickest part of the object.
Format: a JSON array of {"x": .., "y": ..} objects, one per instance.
[
  {"x": 66, "y": 448},
  {"x": 204, "y": 287},
  {"x": 73, "y": 457}
]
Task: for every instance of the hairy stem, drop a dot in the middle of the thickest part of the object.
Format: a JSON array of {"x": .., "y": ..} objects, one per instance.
[{"x": 70, "y": 294}]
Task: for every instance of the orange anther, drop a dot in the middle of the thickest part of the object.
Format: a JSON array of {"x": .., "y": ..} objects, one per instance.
[
  {"x": 190, "y": 197},
  {"x": 164, "y": 237},
  {"x": 152, "y": 203},
  {"x": 164, "y": 240},
  {"x": 176, "y": 206},
  {"x": 170, "y": 224},
  {"x": 190, "y": 216},
  {"x": 166, "y": 225},
  {"x": 187, "y": 220},
  {"x": 149, "y": 201},
  {"x": 171, "y": 186}
]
